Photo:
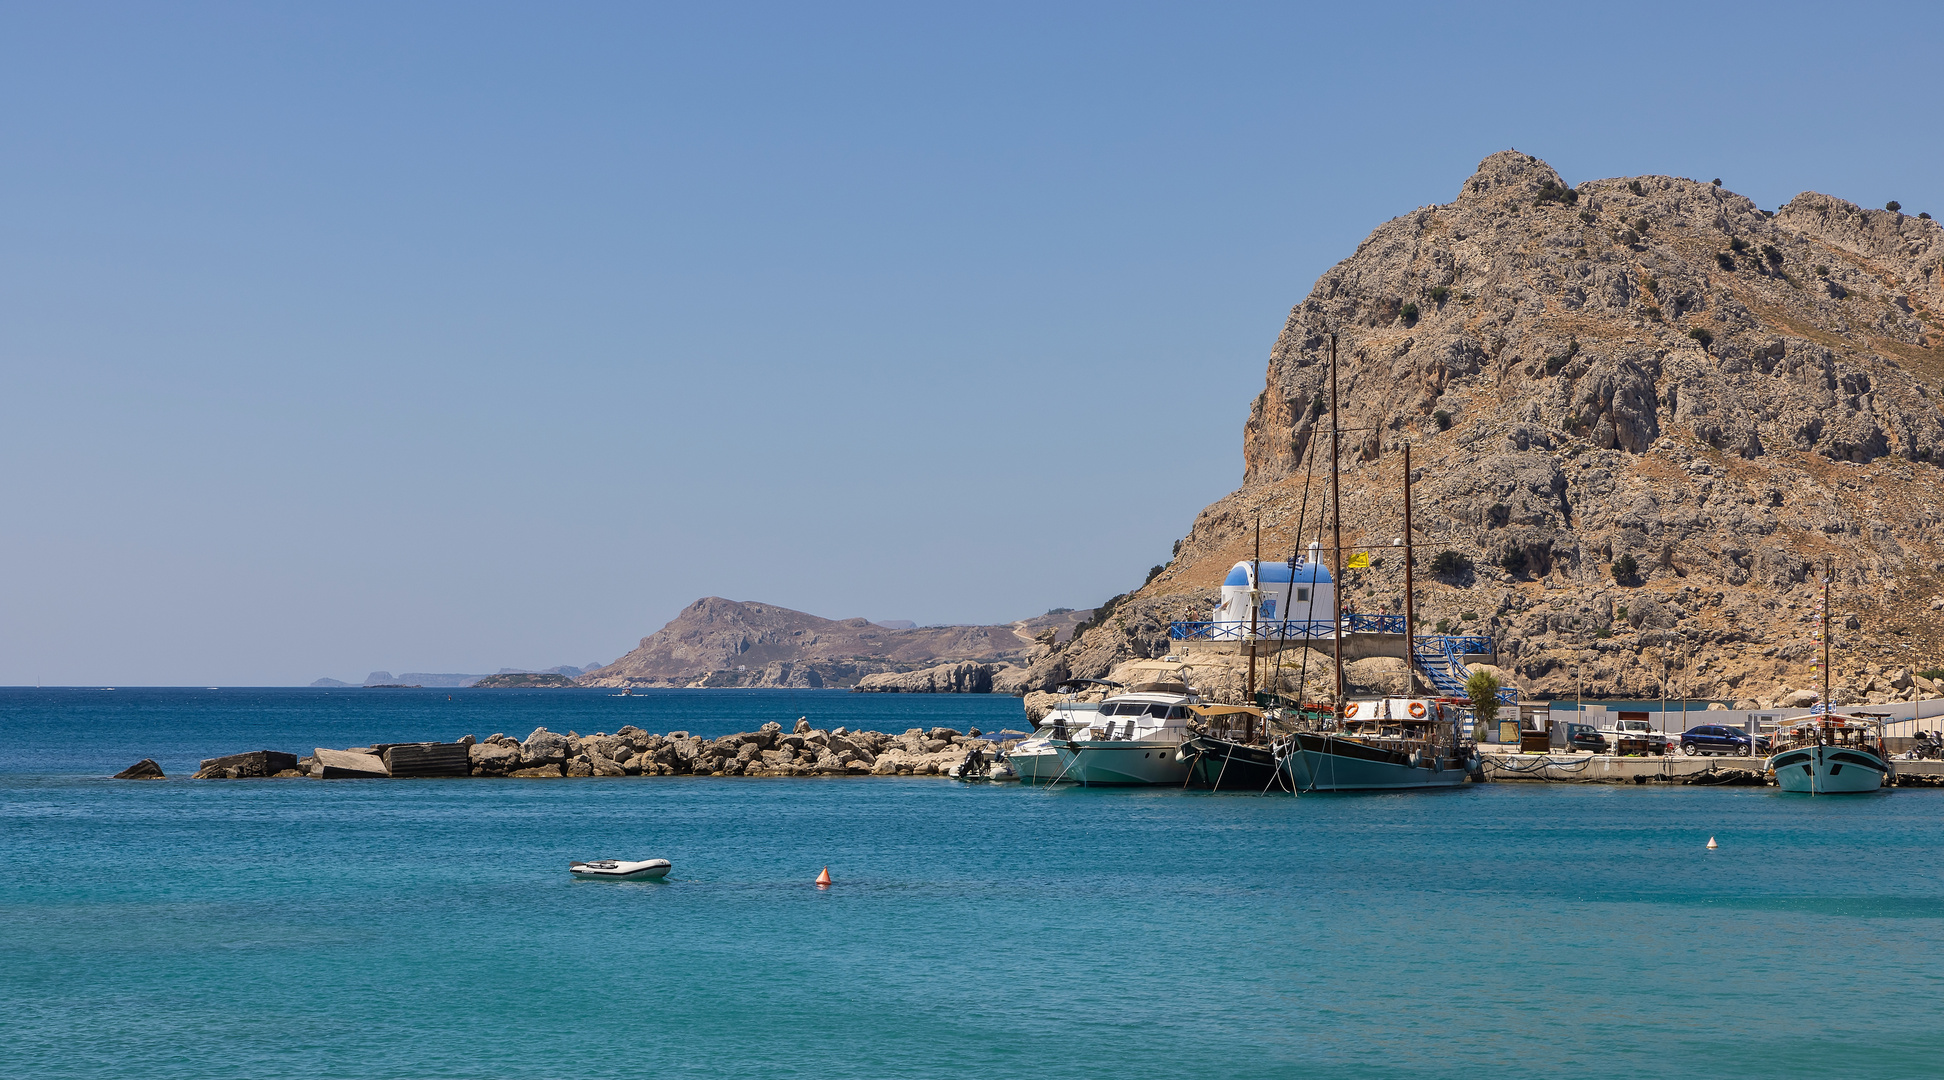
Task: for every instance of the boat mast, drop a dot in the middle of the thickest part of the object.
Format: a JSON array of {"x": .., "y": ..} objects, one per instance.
[
  {"x": 1829, "y": 568},
  {"x": 1255, "y": 604},
  {"x": 1336, "y": 528},
  {"x": 1410, "y": 608}
]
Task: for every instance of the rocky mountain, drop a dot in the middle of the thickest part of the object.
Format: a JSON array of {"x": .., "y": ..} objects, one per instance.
[
  {"x": 1643, "y": 413},
  {"x": 717, "y": 642}
]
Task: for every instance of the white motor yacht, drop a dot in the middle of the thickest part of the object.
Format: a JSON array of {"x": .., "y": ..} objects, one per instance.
[{"x": 1131, "y": 737}]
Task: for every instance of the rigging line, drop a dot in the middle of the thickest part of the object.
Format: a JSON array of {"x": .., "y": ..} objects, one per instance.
[
  {"x": 1064, "y": 768},
  {"x": 1296, "y": 546},
  {"x": 1275, "y": 780}
]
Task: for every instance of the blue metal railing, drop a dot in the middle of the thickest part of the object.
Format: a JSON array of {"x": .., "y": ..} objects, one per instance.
[
  {"x": 1439, "y": 656},
  {"x": 1278, "y": 630},
  {"x": 1238, "y": 630}
]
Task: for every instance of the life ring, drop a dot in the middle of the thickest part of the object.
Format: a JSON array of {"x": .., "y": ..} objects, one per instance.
[
  {"x": 1417, "y": 710},
  {"x": 1350, "y": 710}
]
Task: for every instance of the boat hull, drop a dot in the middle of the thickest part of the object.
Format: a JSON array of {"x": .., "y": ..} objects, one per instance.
[
  {"x": 1101, "y": 763},
  {"x": 1037, "y": 764},
  {"x": 1222, "y": 765},
  {"x": 1828, "y": 770},
  {"x": 610, "y": 870},
  {"x": 1321, "y": 762},
  {"x": 1124, "y": 764}
]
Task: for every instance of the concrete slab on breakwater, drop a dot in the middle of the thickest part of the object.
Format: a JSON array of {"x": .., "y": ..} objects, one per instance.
[{"x": 1562, "y": 767}]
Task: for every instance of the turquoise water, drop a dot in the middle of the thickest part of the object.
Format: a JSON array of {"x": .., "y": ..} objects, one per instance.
[{"x": 428, "y": 928}]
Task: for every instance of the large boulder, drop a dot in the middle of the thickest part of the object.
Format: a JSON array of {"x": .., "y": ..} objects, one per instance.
[
  {"x": 538, "y": 771},
  {"x": 494, "y": 759},
  {"x": 256, "y": 763},
  {"x": 543, "y": 748},
  {"x": 145, "y": 769}
]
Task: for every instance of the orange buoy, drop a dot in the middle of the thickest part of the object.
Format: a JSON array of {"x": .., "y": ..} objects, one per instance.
[
  {"x": 823, "y": 879},
  {"x": 1711, "y": 845}
]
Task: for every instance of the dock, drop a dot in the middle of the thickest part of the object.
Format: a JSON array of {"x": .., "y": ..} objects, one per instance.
[{"x": 1574, "y": 767}]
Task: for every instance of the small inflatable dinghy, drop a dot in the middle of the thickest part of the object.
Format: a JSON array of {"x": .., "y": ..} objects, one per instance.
[{"x": 614, "y": 868}]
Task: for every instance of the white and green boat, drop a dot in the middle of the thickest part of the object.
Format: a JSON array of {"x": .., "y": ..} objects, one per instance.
[
  {"x": 1131, "y": 738},
  {"x": 1829, "y": 755}
]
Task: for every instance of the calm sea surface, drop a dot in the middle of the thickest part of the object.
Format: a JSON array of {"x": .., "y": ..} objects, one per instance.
[{"x": 429, "y": 928}]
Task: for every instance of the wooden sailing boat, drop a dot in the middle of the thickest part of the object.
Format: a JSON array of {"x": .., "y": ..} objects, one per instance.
[
  {"x": 1829, "y": 754},
  {"x": 1382, "y": 743},
  {"x": 1229, "y": 750}
]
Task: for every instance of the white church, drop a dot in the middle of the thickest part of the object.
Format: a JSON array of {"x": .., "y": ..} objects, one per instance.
[{"x": 1301, "y": 594}]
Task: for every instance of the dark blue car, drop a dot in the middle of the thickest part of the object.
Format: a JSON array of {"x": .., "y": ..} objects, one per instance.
[{"x": 1717, "y": 739}]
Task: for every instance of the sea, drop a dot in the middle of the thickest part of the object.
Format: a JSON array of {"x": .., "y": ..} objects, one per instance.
[{"x": 429, "y": 928}]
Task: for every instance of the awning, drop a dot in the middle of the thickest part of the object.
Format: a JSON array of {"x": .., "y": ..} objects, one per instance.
[{"x": 1224, "y": 710}]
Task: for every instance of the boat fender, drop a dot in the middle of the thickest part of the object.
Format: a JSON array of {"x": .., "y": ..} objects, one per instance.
[
  {"x": 1417, "y": 759},
  {"x": 1417, "y": 710}
]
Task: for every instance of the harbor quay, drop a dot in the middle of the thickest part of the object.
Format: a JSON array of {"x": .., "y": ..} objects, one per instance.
[{"x": 1578, "y": 767}]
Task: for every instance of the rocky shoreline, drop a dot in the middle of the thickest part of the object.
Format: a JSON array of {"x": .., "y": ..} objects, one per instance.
[{"x": 631, "y": 751}]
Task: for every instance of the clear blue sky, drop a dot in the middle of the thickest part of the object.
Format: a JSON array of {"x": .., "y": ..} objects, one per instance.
[{"x": 441, "y": 338}]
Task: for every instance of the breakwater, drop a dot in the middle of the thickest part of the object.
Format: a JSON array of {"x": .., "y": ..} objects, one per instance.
[{"x": 630, "y": 751}]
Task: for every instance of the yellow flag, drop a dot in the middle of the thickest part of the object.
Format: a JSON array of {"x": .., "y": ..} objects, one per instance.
[{"x": 1359, "y": 561}]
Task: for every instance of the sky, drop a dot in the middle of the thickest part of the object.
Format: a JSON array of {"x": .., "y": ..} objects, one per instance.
[{"x": 446, "y": 338}]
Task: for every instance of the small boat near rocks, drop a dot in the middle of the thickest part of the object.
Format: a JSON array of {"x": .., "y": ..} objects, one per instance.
[
  {"x": 978, "y": 767},
  {"x": 619, "y": 870}
]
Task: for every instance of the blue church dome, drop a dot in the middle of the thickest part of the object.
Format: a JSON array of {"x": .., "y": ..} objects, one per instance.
[{"x": 1279, "y": 572}]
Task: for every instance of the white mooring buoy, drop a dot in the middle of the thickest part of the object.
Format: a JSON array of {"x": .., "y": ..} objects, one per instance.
[{"x": 1711, "y": 844}]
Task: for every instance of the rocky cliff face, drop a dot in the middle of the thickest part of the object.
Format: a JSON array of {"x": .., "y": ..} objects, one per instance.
[
  {"x": 1642, "y": 369},
  {"x": 717, "y": 642}
]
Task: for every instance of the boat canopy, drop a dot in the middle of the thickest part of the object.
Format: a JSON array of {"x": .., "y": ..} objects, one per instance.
[{"x": 1224, "y": 710}]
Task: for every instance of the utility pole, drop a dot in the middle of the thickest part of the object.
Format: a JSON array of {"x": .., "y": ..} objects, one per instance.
[
  {"x": 1336, "y": 526},
  {"x": 1410, "y": 609}
]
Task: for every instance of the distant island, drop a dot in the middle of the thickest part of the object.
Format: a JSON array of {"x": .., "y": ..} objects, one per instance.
[
  {"x": 523, "y": 680},
  {"x": 446, "y": 681}
]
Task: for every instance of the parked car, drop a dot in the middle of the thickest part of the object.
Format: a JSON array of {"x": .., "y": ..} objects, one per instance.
[
  {"x": 1632, "y": 730},
  {"x": 1585, "y": 737},
  {"x": 1717, "y": 739}
]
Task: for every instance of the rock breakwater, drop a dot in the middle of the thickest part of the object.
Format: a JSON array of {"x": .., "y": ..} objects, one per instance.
[{"x": 631, "y": 751}]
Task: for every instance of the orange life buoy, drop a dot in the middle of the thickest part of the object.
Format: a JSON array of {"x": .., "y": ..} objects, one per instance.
[
  {"x": 1350, "y": 709},
  {"x": 1417, "y": 709}
]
